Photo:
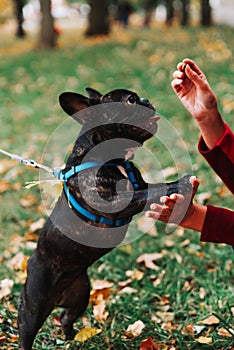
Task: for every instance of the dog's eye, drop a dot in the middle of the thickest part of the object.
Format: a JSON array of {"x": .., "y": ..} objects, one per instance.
[{"x": 131, "y": 100}]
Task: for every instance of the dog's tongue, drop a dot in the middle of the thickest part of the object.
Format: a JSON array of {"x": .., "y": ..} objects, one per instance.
[{"x": 155, "y": 118}]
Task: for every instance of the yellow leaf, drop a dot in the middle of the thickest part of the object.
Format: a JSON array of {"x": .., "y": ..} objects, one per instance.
[{"x": 86, "y": 333}]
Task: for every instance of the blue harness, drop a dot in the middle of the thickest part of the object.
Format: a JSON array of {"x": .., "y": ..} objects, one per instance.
[{"x": 83, "y": 211}]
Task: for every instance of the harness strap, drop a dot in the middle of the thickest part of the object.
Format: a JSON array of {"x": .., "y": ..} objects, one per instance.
[{"x": 79, "y": 208}]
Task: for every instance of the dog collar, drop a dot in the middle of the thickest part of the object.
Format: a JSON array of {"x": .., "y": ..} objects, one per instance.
[{"x": 83, "y": 211}]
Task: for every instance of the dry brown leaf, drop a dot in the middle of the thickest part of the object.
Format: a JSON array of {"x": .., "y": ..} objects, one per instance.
[
  {"x": 165, "y": 316},
  {"x": 135, "y": 329},
  {"x": 99, "y": 309},
  {"x": 148, "y": 260},
  {"x": 211, "y": 320},
  {"x": 7, "y": 164},
  {"x": 188, "y": 330},
  {"x": 5, "y": 287},
  {"x": 148, "y": 344},
  {"x": 13, "y": 338},
  {"x": 204, "y": 340},
  {"x": 28, "y": 201},
  {"x": 86, "y": 333},
  {"x": 135, "y": 274},
  {"x": 226, "y": 333},
  {"x": 4, "y": 186},
  {"x": 35, "y": 226},
  {"x": 128, "y": 290},
  {"x": 101, "y": 284},
  {"x": 18, "y": 262},
  {"x": 123, "y": 284}
]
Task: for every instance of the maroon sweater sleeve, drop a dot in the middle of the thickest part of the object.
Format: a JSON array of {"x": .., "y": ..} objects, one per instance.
[
  {"x": 221, "y": 157},
  {"x": 218, "y": 226},
  {"x": 219, "y": 222}
]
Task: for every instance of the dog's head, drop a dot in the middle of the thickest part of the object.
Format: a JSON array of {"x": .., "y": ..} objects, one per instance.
[{"x": 119, "y": 113}]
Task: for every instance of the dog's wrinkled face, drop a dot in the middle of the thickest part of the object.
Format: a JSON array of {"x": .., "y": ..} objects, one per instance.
[{"x": 119, "y": 113}]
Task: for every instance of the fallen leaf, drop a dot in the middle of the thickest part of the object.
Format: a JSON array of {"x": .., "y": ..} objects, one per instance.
[
  {"x": 86, "y": 333},
  {"x": 148, "y": 344},
  {"x": 204, "y": 340},
  {"x": 188, "y": 330},
  {"x": 211, "y": 320},
  {"x": 7, "y": 164},
  {"x": 135, "y": 329},
  {"x": 226, "y": 333},
  {"x": 18, "y": 262},
  {"x": 165, "y": 316},
  {"x": 13, "y": 338},
  {"x": 5, "y": 287},
  {"x": 148, "y": 260},
  {"x": 99, "y": 309},
  {"x": 100, "y": 287},
  {"x": 135, "y": 274},
  {"x": 101, "y": 284},
  {"x": 123, "y": 284},
  {"x": 128, "y": 290},
  {"x": 28, "y": 201},
  {"x": 4, "y": 186},
  {"x": 35, "y": 226}
]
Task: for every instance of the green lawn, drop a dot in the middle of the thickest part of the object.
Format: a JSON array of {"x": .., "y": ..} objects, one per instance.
[{"x": 193, "y": 280}]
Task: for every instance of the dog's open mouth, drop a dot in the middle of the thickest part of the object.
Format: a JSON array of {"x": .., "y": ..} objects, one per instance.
[{"x": 151, "y": 125}]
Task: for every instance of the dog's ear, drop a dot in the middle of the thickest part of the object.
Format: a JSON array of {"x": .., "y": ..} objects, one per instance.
[
  {"x": 93, "y": 94},
  {"x": 72, "y": 103}
]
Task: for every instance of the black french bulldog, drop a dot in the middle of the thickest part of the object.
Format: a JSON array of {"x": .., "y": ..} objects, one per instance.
[{"x": 102, "y": 191}]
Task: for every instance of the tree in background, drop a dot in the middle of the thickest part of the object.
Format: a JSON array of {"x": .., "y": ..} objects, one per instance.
[
  {"x": 98, "y": 18},
  {"x": 170, "y": 12},
  {"x": 47, "y": 36},
  {"x": 185, "y": 12},
  {"x": 206, "y": 18},
  {"x": 19, "y": 4}
]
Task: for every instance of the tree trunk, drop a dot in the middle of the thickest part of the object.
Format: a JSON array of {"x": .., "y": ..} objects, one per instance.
[
  {"x": 205, "y": 13},
  {"x": 98, "y": 18},
  {"x": 185, "y": 12},
  {"x": 47, "y": 36},
  {"x": 19, "y": 4},
  {"x": 170, "y": 12}
]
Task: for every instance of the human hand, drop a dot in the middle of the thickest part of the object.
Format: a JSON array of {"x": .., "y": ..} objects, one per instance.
[
  {"x": 192, "y": 88},
  {"x": 177, "y": 209}
]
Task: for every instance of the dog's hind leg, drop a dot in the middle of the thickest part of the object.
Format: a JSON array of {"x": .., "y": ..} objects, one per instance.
[
  {"x": 34, "y": 304},
  {"x": 75, "y": 301}
]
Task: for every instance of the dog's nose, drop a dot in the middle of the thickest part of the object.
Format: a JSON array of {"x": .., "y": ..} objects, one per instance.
[{"x": 145, "y": 102}]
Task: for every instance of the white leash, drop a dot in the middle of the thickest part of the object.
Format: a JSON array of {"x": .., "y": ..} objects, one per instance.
[{"x": 29, "y": 162}]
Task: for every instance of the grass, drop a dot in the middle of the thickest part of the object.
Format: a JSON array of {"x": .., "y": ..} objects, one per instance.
[{"x": 142, "y": 60}]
